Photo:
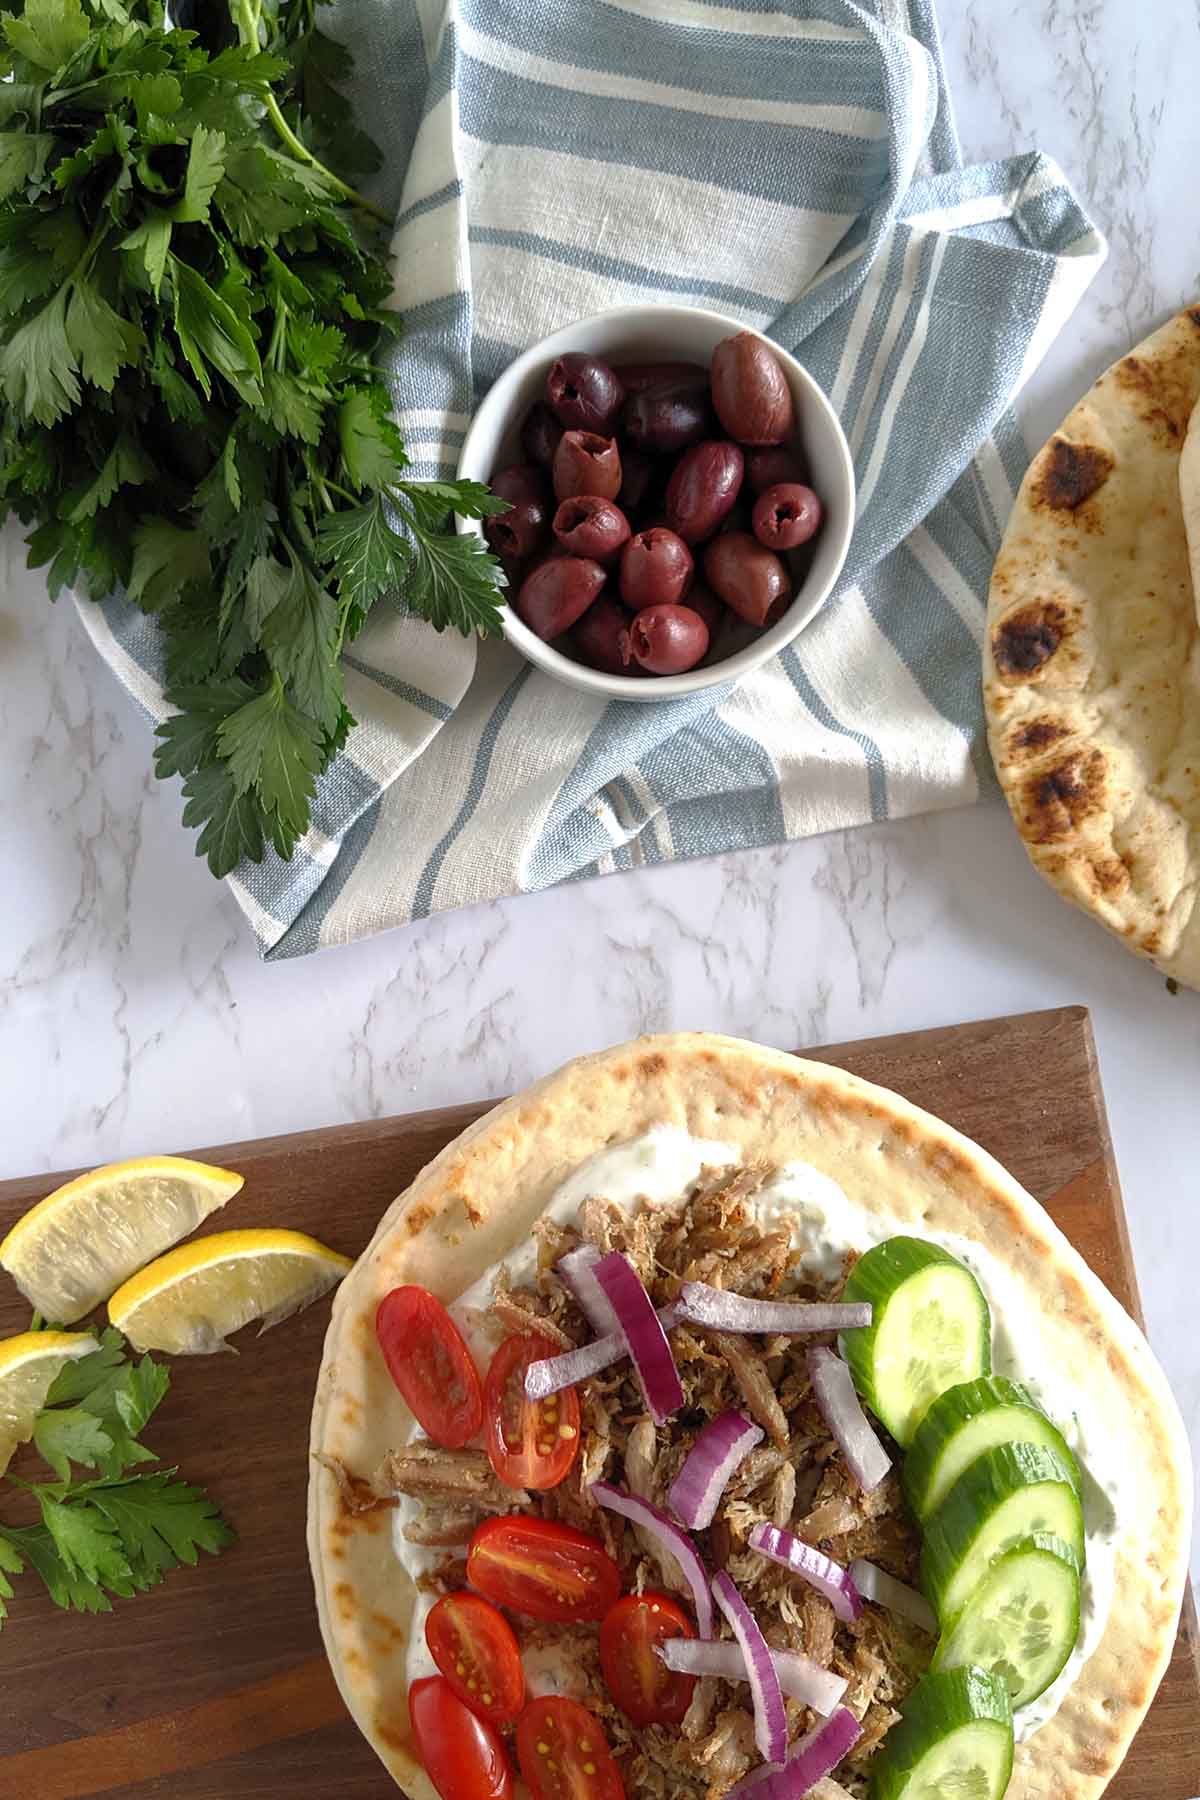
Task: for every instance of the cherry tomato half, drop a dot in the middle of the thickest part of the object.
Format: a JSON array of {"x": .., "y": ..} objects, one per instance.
[
  {"x": 542, "y": 1569},
  {"x": 530, "y": 1443},
  {"x": 430, "y": 1364},
  {"x": 564, "y": 1755},
  {"x": 461, "y": 1754},
  {"x": 638, "y": 1680},
  {"x": 474, "y": 1647}
]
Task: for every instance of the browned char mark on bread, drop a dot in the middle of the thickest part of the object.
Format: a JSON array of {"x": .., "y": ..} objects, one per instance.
[
  {"x": 1028, "y": 638},
  {"x": 1071, "y": 475}
]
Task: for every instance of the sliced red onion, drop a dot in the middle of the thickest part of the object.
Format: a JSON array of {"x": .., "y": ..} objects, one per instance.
[
  {"x": 644, "y": 1334},
  {"x": 799, "y": 1677},
  {"x": 833, "y": 1390},
  {"x": 578, "y": 1270},
  {"x": 770, "y": 1719},
  {"x": 553, "y": 1373},
  {"x": 876, "y": 1584},
  {"x": 723, "y": 1444},
  {"x": 814, "y": 1757},
  {"x": 820, "y": 1572},
  {"x": 651, "y": 1519},
  {"x": 706, "y": 1305}
]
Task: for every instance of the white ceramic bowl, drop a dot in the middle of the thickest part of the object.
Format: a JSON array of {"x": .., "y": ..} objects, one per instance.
[{"x": 658, "y": 333}]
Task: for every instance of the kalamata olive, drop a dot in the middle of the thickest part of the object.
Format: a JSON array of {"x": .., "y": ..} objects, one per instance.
[
  {"x": 702, "y": 600},
  {"x": 586, "y": 464},
  {"x": 665, "y": 640},
  {"x": 702, "y": 488},
  {"x": 786, "y": 515},
  {"x": 557, "y": 592},
  {"x": 667, "y": 418},
  {"x": 584, "y": 392},
  {"x": 601, "y": 636},
  {"x": 590, "y": 526},
  {"x": 766, "y": 468},
  {"x": 638, "y": 375},
  {"x": 747, "y": 576},
  {"x": 540, "y": 434},
  {"x": 519, "y": 531},
  {"x": 656, "y": 568},
  {"x": 750, "y": 390},
  {"x": 639, "y": 475}
]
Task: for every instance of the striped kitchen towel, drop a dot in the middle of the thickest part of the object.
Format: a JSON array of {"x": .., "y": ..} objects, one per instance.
[{"x": 792, "y": 163}]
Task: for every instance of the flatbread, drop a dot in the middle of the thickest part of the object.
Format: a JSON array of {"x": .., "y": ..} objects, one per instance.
[
  {"x": 1189, "y": 499},
  {"x": 1092, "y": 655},
  {"x": 479, "y": 1199}
]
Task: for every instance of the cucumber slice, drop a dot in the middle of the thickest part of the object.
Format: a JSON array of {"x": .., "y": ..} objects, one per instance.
[
  {"x": 954, "y": 1741},
  {"x": 1007, "y": 1494},
  {"x": 1022, "y": 1620},
  {"x": 964, "y": 1422},
  {"x": 930, "y": 1330}
]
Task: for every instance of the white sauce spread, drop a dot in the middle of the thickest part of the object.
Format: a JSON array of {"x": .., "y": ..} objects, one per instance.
[{"x": 660, "y": 1166}]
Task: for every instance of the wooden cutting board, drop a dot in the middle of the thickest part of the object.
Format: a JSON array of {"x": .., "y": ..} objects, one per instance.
[{"x": 213, "y": 1687}]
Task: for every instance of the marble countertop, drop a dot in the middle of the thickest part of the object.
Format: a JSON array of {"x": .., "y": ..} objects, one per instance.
[{"x": 135, "y": 1014}]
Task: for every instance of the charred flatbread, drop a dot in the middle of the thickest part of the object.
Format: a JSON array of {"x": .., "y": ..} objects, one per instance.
[{"x": 1092, "y": 656}]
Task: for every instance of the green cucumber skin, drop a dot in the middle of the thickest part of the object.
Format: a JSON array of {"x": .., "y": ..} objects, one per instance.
[
  {"x": 1055, "y": 1553},
  {"x": 943, "y": 1701},
  {"x": 879, "y": 1278},
  {"x": 954, "y": 1410},
  {"x": 952, "y": 1531}
]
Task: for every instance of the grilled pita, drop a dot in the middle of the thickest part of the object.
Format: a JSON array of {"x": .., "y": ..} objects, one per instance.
[{"x": 1092, "y": 658}]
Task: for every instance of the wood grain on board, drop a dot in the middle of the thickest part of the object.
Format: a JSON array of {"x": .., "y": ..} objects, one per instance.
[{"x": 213, "y": 1686}]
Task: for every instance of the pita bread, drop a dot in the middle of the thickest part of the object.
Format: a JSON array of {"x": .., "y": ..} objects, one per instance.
[
  {"x": 1189, "y": 499},
  {"x": 1092, "y": 658},
  {"x": 479, "y": 1199}
]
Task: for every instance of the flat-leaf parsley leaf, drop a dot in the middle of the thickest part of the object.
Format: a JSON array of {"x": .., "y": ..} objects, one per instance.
[
  {"x": 191, "y": 304},
  {"x": 115, "y": 1534}
]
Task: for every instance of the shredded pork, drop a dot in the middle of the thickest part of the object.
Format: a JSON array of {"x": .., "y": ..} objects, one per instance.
[
  {"x": 463, "y": 1476},
  {"x": 796, "y": 1478},
  {"x": 755, "y": 1385},
  {"x": 357, "y": 1495},
  {"x": 449, "y": 1525}
]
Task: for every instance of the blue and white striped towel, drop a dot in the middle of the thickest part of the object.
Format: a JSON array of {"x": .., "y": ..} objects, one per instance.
[{"x": 791, "y": 163}]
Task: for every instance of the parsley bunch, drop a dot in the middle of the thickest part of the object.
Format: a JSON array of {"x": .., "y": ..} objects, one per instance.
[
  {"x": 190, "y": 308},
  {"x": 119, "y": 1533}
]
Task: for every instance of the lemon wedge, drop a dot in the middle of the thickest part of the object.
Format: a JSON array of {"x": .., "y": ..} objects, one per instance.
[
  {"x": 189, "y": 1301},
  {"x": 71, "y": 1250},
  {"x": 28, "y": 1366}
]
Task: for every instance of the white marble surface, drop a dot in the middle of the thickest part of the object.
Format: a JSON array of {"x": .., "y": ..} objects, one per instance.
[{"x": 134, "y": 1013}]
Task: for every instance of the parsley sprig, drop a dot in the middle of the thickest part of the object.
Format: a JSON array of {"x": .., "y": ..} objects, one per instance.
[
  {"x": 117, "y": 1533},
  {"x": 191, "y": 304}
]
